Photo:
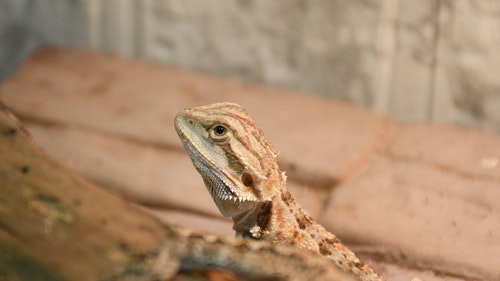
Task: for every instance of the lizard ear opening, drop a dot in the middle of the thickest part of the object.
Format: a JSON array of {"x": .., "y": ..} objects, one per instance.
[{"x": 247, "y": 179}]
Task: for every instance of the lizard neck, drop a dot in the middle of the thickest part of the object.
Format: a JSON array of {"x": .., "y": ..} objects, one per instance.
[{"x": 283, "y": 221}]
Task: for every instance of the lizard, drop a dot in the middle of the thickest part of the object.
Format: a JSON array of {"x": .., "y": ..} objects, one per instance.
[{"x": 240, "y": 170}]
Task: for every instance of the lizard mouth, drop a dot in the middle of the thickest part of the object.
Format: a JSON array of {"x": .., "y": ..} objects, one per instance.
[
  {"x": 217, "y": 183},
  {"x": 223, "y": 187},
  {"x": 228, "y": 202}
]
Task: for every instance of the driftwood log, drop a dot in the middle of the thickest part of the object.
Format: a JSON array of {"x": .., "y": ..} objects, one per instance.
[{"x": 54, "y": 225}]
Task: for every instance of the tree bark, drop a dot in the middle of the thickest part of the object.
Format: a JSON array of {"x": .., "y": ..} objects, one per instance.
[{"x": 56, "y": 226}]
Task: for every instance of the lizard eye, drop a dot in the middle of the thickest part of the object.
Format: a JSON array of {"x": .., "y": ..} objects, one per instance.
[{"x": 219, "y": 132}]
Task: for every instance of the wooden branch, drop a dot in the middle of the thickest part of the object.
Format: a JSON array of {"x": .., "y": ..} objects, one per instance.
[{"x": 56, "y": 226}]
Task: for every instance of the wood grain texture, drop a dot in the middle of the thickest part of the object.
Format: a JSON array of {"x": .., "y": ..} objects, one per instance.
[{"x": 56, "y": 225}]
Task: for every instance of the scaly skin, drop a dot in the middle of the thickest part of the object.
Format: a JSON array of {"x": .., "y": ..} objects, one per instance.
[{"x": 239, "y": 168}]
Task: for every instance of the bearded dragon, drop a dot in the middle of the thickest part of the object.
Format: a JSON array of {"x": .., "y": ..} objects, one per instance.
[{"x": 240, "y": 170}]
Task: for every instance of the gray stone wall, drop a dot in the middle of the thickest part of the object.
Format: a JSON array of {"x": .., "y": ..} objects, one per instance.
[{"x": 427, "y": 60}]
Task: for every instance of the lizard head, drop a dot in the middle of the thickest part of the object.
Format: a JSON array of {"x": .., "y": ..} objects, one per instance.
[{"x": 237, "y": 163}]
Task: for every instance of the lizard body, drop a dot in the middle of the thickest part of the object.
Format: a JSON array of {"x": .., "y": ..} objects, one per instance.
[{"x": 239, "y": 168}]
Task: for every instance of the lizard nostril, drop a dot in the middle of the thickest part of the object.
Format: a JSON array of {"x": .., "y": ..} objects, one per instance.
[{"x": 247, "y": 179}]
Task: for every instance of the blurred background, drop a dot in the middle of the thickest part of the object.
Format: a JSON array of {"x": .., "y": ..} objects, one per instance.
[{"x": 427, "y": 60}]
